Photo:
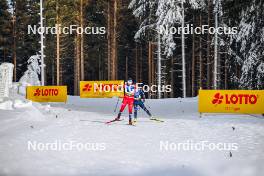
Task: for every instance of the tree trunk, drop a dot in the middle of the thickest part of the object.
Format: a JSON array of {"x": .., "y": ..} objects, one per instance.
[
  {"x": 183, "y": 53},
  {"x": 114, "y": 48},
  {"x": 14, "y": 44},
  {"x": 136, "y": 61},
  {"x": 193, "y": 63},
  {"x": 109, "y": 39},
  {"x": 150, "y": 58},
  {"x": 81, "y": 43},
  {"x": 58, "y": 47},
  {"x": 140, "y": 64},
  {"x": 159, "y": 66},
  {"x": 43, "y": 74},
  {"x": 226, "y": 73},
  {"x": 77, "y": 65},
  {"x": 149, "y": 62},
  {"x": 172, "y": 78},
  {"x": 216, "y": 51},
  {"x": 100, "y": 63},
  {"x": 112, "y": 39},
  {"x": 200, "y": 57},
  {"x": 208, "y": 74},
  {"x": 126, "y": 67},
  {"x": 153, "y": 66}
]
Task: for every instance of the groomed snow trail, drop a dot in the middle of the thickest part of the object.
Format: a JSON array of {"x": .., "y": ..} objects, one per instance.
[{"x": 129, "y": 150}]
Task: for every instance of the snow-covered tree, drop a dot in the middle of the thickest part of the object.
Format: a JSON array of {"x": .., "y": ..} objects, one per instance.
[
  {"x": 156, "y": 13},
  {"x": 164, "y": 14},
  {"x": 217, "y": 14},
  {"x": 170, "y": 14},
  {"x": 144, "y": 10},
  {"x": 248, "y": 47},
  {"x": 31, "y": 76}
]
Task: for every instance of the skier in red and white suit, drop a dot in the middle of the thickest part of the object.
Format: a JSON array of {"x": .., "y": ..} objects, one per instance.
[{"x": 129, "y": 91}]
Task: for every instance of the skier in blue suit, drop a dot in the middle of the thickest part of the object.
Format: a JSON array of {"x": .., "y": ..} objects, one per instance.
[{"x": 139, "y": 100}]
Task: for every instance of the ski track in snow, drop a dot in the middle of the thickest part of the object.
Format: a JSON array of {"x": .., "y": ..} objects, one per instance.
[{"x": 129, "y": 150}]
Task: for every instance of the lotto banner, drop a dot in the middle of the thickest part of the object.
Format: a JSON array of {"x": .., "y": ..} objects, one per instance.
[
  {"x": 47, "y": 93},
  {"x": 231, "y": 101},
  {"x": 101, "y": 89}
]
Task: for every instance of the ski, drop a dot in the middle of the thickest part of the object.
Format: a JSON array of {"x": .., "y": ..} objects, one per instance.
[
  {"x": 115, "y": 120},
  {"x": 131, "y": 124},
  {"x": 156, "y": 119}
]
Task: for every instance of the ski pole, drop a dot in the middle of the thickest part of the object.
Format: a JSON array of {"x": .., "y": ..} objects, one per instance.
[
  {"x": 116, "y": 104},
  {"x": 147, "y": 105}
]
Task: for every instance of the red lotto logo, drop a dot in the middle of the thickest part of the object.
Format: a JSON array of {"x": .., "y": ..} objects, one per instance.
[
  {"x": 37, "y": 93},
  {"x": 218, "y": 98},
  {"x": 46, "y": 92},
  {"x": 87, "y": 88},
  {"x": 235, "y": 99}
]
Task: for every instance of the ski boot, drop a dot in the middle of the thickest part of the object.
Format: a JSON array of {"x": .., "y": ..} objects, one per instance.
[
  {"x": 135, "y": 115},
  {"x": 118, "y": 117},
  {"x": 130, "y": 120}
]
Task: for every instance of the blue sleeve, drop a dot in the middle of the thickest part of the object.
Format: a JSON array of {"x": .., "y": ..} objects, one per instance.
[{"x": 142, "y": 94}]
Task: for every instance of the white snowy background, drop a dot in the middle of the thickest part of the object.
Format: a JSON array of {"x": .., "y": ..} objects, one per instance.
[{"x": 129, "y": 150}]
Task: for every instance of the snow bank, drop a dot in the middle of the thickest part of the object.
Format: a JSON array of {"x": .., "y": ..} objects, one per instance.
[
  {"x": 22, "y": 104},
  {"x": 29, "y": 110},
  {"x": 6, "y": 105},
  {"x": 129, "y": 150}
]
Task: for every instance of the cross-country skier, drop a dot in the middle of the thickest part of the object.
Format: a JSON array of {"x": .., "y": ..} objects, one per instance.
[
  {"x": 129, "y": 91},
  {"x": 139, "y": 100}
]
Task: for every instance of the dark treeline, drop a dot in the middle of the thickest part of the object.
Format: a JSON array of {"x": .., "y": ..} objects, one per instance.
[{"x": 118, "y": 55}]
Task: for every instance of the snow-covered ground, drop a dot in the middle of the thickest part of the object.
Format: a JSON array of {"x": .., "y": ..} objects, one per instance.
[{"x": 128, "y": 150}]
